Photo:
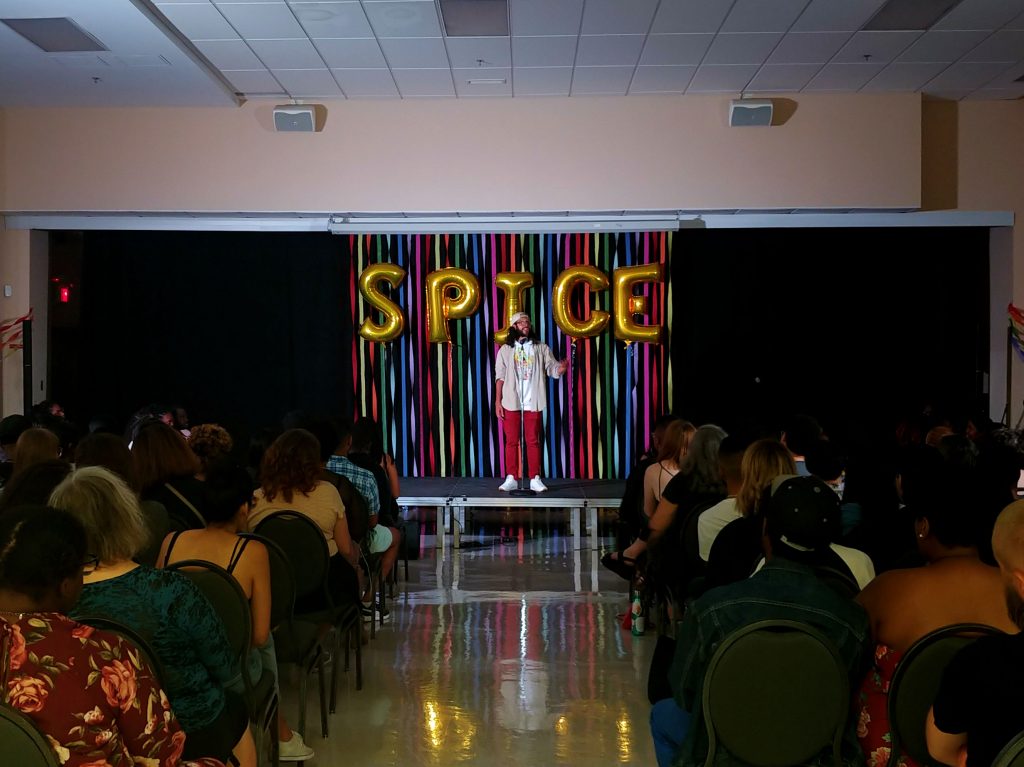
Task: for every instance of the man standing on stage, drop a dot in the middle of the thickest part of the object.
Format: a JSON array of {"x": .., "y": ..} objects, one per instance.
[{"x": 521, "y": 371}]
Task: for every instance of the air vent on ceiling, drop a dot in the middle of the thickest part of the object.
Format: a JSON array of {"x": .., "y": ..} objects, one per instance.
[
  {"x": 58, "y": 35},
  {"x": 897, "y": 15},
  {"x": 475, "y": 18}
]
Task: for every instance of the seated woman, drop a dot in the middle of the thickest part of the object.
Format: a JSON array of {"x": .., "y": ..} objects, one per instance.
[
  {"x": 904, "y": 605},
  {"x": 672, "y": 447},
  {"x": 229, "y": 498},
  {"x": 34, "y": 446},
  {"x": 211, "y": 443},
  {"x": 33, "y": 486},
  {"x": 166, "y": 468},
  {"x": 88, "y": 691},
  {"x": 289, "y": 476},
  {"x": 165, "y": 608}
]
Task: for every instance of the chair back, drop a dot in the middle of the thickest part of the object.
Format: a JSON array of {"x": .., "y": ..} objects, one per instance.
[
  {"x": 304, "y": 546},
  {"x": 1012, "y": 754},
  {"x": 915, "y": 684},
  {"x": 158, "y": 524},
  {"x": 21, "y": 742},
  {"x": 776, "y": 693},
  {"x": 104, "y": 623},
  {"x": 282, "y": 581}
]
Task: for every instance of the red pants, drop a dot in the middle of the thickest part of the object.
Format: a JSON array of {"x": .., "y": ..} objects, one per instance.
[{"x": 512, "y": 447}]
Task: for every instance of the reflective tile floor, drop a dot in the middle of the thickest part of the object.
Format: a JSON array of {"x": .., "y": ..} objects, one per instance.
[{"x": 504, "y": 652}]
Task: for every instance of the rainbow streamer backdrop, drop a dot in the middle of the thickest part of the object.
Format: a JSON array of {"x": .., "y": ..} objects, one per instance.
[{"x": 435, "y": 402}]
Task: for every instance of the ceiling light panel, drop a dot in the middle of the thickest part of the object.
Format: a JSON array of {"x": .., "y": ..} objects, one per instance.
[
  {"x": 920, "y": 15},
  {"x": 475, "y": 18},
  {"x": 483, "y": 82},
  {"x": 55, "y": 35}
]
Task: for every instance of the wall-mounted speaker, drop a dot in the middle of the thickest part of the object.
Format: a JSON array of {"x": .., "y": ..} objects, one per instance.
[
  {"x": 745, "y": 113},
  {"x": 297, "y": 119}
]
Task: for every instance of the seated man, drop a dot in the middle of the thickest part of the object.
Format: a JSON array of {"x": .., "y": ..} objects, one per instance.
[
  {"x": 798, "y": 520},
  {"x": 980, "y": 704}
]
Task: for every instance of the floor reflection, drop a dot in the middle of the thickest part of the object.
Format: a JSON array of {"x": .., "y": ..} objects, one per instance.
[{"x": 508, "y": 649}]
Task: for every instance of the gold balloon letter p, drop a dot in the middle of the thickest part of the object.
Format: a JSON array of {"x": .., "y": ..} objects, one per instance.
[
  {"x": 369, "y": 287},
  {"x": 442, "y": 307},
  {"x": 626, "y": 304}
]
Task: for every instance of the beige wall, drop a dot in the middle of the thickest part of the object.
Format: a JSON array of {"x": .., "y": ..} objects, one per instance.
[{"x": 468, "y": 155}]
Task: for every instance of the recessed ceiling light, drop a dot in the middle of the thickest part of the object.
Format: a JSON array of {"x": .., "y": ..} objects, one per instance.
[
  {"x": 475, "y": 18},
  {"x": 60, "y": 35},
  {"x": 899, "y": 15}
]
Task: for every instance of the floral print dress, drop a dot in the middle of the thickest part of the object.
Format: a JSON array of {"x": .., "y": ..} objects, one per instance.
[
  {"x": 90, "y": 693},
  {"x": 873, "y": 730}
]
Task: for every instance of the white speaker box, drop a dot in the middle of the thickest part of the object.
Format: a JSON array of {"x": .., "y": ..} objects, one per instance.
[
  {"x": 297, "y": 118},
  {"x": 750, "y": 113}
]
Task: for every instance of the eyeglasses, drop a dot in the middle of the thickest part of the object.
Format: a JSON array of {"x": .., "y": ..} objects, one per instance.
[{"x": 90, "y": 564}]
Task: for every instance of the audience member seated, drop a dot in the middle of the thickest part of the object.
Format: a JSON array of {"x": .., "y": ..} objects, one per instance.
[
  {"x": 827, "y": 463},
  {"x": 33, "y": 486},
  {"x": 166, "y": 467},
  {"x": 229, "y": 499},
  {"x": 109, "y": 451},
  {"x": 165, "y": 609},
  {"x": 980, "y": 704},
  {"x": 799, "y": 433},
  {"x": 799, "y": 517},
  {"x": 211, "y": 443},
  {"x": 672, "y": 447},
  {"x": 903, "y": 605},
  {"x": 11, "y": 428},
  {"x": 290, "y": 482},
  {"x": 88, "y": 691},
  {"x": 34, "y": 446},
  {"x": 631, "y": 522},
  {"x": 711, "y": 522}
]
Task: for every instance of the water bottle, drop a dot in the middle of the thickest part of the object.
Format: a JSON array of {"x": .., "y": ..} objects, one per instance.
[{"x": 638, "y": 616}]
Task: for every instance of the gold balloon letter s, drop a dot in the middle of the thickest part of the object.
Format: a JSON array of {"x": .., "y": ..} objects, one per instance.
[
  {"x": 562, "y": 294},
  {"x": 394, "y": 320},
  {"x": 441, "y": 307},
  {"x": 626, "y": 304},
  {"x": 513, "y": 285}
]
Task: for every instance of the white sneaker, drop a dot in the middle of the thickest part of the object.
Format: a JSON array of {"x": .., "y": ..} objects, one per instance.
[
  {"x": 294, "y": 750},
  {"x": 509, "y": 484},
  {"x": 537, "y": 486}
]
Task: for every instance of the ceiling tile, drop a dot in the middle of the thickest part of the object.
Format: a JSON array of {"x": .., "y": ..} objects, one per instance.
[
  {"x": 542, "y": 81},
  {"x": 948, "y": 95},
  {"x": 843, "y": 77},
  {"x": 287, "y": 54},
  {"x": 1008, "y": 79},
  {"x": 544, "y": 17},
  {"x": 783, "y": 77},
  {"x": 404, "y": 19},
  {"x": 366, "y": 82},
  {"x": 593, "y": 80},
  {"x": 836, "y": 15},
  {"x": 308, "y": 82},
  {"x": 981, "y": 14},
  {"x": 342, "y": 19},
  {"x": 676, "y": 49},
  {"x": 229, "y": 54},
  {"x": 253, "y": 81},
  {"x": 1017, "y": 23},
  {"x": 997, "y": 94},
  {"x": 199, "y": 22},
  {"x": 942, "y": 46},
  {"x": 544, "y": 51},
  {"x": 661, "y": 79},
  {"x": 415, "y": 52},
  {"x": 962, "y": 76},
  {"x": 689, "y": 16},
  {"x": 1002, "y": 46},
  {"x": 881, "y": 47},
  {"x": 424, "y": 82},
  {"x": 464, "y": 89},
  {"x": 609, "y": 50},
  {"x": 741, "y": 49},
  {"x": 808, "y": 47},
  {"x": 467, "y": 51},
  {"x": 265, "y": 21},
  {"x": 761, "y": 16},
  {"x": 622, "y": 17},
  {"x": 356, "y": 53},
  {"x": 904, "y": 76},
  {"x": 721, "y": 79}
]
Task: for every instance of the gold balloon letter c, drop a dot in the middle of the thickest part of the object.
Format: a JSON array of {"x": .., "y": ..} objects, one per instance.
[{"x": 564, "y": 318}]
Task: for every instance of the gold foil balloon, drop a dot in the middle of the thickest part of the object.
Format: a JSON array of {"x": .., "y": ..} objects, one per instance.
[
  {"x": 570, "y": 324},
  {"x": 627, "y": 304},
  {"x": 442, "y": 307},
  {"x": 369, "y": 287},
  {"x": 513, "y": 285}
]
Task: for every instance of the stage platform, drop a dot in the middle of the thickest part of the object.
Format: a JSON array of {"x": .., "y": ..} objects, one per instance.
[{"x": 452, "y": 496}]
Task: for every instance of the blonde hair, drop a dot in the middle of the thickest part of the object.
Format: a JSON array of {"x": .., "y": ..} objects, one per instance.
[
  {"x": 107, "y": 509},
  {"x": 1008, "y": 537},
  {"x": 763, "y": 461}
]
